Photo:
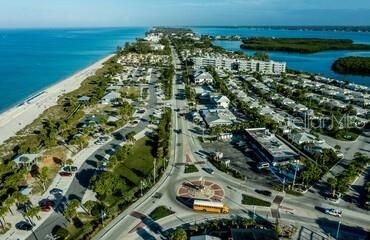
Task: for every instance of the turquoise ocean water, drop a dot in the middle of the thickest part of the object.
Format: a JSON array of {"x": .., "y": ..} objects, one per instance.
[{"x": 33, "y": 59}]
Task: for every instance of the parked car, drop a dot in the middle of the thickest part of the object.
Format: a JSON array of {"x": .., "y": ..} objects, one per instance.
[
  {"x": 55, "y": 191},
  {"x": 46, "y": 203},
  {"x": 334, "y": 212},
  {"x": 263, "y": 165},
  {"x": 25, "y": 226},
  {"x": 45, "y": 208},
  {"x": 263, "y": 192},
  {"x": 65, "y": 174},
  {"x": 70, "y": 169}
]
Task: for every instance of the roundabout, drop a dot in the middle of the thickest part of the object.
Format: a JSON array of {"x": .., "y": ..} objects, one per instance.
[{"x": 201, "y": 189}]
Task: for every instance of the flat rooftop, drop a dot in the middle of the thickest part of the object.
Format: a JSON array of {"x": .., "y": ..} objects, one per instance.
[{"x": 271, "y": 143}]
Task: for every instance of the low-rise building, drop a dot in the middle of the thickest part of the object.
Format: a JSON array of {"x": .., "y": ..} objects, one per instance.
[
  {"x": 111, "y": 98},
  {"x": 269, "y": 146},
  {"x": 218, "y": 116}
]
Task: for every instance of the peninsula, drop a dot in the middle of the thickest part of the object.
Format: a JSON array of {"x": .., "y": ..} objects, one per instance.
[
  {"x": 300, "y": 45},
  {"x": 352, "y": 65}
]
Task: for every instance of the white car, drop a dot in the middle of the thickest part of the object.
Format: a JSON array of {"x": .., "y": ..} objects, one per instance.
[{"x": 334, "y": 212}]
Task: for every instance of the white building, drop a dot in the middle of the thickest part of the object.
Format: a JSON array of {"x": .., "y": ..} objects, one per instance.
[
  {"x": 202, "y": 77},
  {"x": 267, "y": 67}
]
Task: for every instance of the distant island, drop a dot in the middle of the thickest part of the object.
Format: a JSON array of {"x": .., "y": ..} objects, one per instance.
[
  {"x": 303, "y": 28},
  {"x": 300, "y": 45},
  {"x": 352, "y": 65}
]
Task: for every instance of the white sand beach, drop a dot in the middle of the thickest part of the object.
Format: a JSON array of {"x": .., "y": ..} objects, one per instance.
[{"x": 16, "y": 118}]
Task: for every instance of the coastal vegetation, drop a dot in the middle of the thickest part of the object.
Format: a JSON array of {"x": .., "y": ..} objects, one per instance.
[
  {"x": 301, "y": 45},
  {"x": 343, "y": 181},
  {"x": 352, "y": 65}
]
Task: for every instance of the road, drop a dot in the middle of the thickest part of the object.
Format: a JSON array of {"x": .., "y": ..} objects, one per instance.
[
  {"x": 81, "y": 181},
  {"x": 306, "y": 211}
]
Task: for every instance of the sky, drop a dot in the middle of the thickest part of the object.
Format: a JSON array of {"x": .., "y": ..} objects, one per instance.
[{"x": 97, "y": 13}]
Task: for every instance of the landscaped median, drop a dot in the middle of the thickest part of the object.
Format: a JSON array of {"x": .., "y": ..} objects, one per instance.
[
  {"x": 160, "y": 212},
  {"x": 250, "y": 200},
  {"x": 190, "y": 168}
]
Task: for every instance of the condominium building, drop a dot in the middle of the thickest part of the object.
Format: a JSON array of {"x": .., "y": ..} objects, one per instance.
[{"x": 267, "y": 67}]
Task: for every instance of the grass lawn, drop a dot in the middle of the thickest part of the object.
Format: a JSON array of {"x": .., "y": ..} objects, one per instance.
[
  {"x": 250, "y": 200},
  {"x": 131, "y": 92},
  {"x": 190, "y": 168},
  {"x": 139, "y": 163},
  {"x": 160, "y": 212}
]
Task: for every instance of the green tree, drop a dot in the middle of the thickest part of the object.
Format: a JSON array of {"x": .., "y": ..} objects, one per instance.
[
  {"x": 131, "y": 136},
  {"x": 179, "y": 234},
  {"x": 32, "y": 213},
  {"x": 71, "y": 210},
  {"x": 44, "y": 177},
  {"x": 8, "y": 203},
  {"x": 69, "y": 161},
  {"x": 332, "y": 181},
  {"x": 3, "y": 213}
]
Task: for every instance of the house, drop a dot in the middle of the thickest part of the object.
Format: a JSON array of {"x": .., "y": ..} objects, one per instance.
[
  {"x": 204, "y": 237},
  {"x": 299, "y": 138},
  {"x": 83, "y": 99},
  {"x": 220, "y": 101},
  {"x": 287, "y": 101},
  {"x": 253, "y": 234},
  {"x": 219, "y": 116},
  {"x": 201, "y": 77},
  {"x": 157, "y": 47},
  {"x": 26, "y": 160},
  {"x": 300, "y": 108},
  {"x": 111, "y": 98}
]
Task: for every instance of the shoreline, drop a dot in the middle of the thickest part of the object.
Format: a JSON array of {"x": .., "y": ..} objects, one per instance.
[{"x": 25, "y": 112}]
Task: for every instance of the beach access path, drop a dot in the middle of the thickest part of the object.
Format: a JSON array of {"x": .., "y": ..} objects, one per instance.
[{"x": 23, "y": 114}]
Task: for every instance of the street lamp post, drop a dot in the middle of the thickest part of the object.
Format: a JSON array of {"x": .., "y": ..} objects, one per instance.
[
  {"x": 340, "y": 221},
  {"x": 284, "y": 185},
  {"x": 154, "y": 168}
]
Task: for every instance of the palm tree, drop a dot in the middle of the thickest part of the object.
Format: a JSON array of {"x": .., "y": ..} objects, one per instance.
[
  {"x": 33, "y": 212},
  {"x": 43, "y": 176},
  {"x": 3, "y": 212},
  {"x": 69, "y": 161},
  {"x": 333, "y": 184},
  {"x": 8, "y": 203}
]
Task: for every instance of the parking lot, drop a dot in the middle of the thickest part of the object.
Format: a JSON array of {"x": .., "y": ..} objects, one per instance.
[{"x": 244, "y": 162}]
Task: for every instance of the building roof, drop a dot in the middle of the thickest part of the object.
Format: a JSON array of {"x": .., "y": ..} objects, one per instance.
[
  {"x": 204, "y": 237},
  {"x": 271, "y": 143},
  {"x": 83, "y": 99},
  {"x": 25, "y": 158},
  {"x": 111, "y": 96},
  {"x": 302, "y": 137},
  {"x": 203, "y": 75},
  {"x": 253, "y": 234}
]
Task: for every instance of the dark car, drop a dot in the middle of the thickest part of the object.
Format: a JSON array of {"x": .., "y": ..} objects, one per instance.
[
  {"x": 46, "y": 203},
  {"x": 45, "y": 208},
  {"x": 25, "y": 226},
  {"x": 65, "y": 174},
  {"x": 263, "y": 192}
]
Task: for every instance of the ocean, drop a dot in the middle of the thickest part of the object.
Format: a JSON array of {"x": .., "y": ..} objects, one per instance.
[{"x": 33, "y": 59}]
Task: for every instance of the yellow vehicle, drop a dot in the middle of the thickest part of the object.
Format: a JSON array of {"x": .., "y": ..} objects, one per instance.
[{"x": 208, "y": 206}]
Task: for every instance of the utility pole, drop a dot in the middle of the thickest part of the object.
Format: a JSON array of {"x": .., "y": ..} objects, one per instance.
[
  {"x": 154, "y": 168},
  {"x": 340, "y": 221},
  {"x": 295, "y": 172},
  {"x": 254, "y": 212},
  {"x": 284, "y": 185},
  {"x": 141, "y": 187}
]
